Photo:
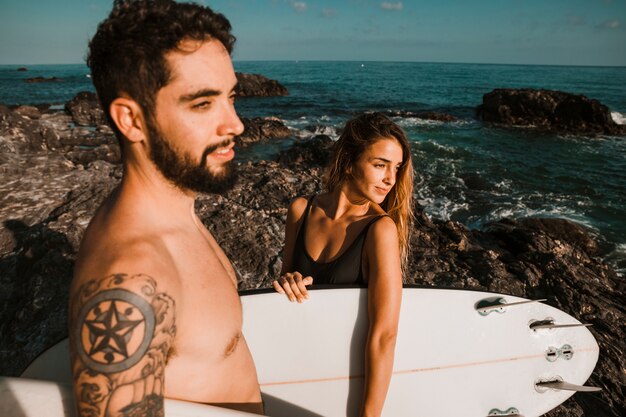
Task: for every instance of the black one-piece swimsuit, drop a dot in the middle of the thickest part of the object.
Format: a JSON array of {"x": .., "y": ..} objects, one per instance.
[{"x": 345, "y": 269}]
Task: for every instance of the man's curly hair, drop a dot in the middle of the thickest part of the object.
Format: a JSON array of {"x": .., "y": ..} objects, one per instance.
[{"x": 127, "y": 53}]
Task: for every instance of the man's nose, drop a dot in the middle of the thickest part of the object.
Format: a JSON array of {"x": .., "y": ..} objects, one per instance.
[{"x": 230, "y": 125}]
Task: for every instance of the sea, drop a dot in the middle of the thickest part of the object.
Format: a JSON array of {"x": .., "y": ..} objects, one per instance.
[{"x": 466, "y": 171}]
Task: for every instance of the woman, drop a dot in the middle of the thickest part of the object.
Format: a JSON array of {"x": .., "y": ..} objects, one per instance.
[{"x": 357, "y": 232}]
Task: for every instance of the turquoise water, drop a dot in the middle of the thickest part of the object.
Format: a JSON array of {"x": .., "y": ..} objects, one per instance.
[{"x": 467, "y": 172}]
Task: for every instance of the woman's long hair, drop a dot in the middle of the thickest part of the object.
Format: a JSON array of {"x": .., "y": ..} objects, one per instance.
[{"x": 359, "y": 133}]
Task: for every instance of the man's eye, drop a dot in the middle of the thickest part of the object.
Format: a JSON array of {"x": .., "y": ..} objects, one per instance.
[
  {"x": 232, "y": 98},
  {"x": 201, "y": 105},
  {"x": 379, "y": 165}
]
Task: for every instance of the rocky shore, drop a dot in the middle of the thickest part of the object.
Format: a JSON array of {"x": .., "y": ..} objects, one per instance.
[{"x": 58, "y": 166}]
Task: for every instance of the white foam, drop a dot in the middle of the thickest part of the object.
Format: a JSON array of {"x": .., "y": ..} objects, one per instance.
[
  {"x": 420, "y": 122},
  {"x": 618, "y": 118}
]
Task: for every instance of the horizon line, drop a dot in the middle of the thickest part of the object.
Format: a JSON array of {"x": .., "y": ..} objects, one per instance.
[{"x": 366, "y": 61}]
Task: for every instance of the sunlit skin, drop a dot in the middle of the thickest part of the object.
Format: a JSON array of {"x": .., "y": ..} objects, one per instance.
[
  {"x": 148, "y": 226},
  {"x": 336, "y": 218}
]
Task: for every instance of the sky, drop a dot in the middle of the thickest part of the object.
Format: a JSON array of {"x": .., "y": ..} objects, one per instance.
[{"x": 534, "y": 32}]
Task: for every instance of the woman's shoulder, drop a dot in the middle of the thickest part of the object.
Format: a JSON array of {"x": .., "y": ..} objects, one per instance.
[
  {"x": 298, "y": 205},
  {"x": 383, "y": 227}
]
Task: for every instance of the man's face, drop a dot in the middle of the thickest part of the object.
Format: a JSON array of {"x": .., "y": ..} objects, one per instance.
[{"x": 191, "y": 135}]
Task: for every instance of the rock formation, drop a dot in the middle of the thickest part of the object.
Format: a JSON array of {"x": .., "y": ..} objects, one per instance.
[
  {"x": 42, "y": 80},
  {"x": 548, "y": 110},
  {"x": 255, "y": 85},
  {"x": 259, "y": 128}
]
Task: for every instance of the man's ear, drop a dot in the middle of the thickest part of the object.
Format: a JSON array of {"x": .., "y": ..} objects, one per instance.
[{"x": 128, "y": 118}]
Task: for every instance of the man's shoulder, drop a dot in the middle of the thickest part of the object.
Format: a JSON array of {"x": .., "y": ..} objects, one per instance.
[{"x": 132, "y": 266}]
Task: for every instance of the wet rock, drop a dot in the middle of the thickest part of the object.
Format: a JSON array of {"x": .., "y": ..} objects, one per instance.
[
  {"x": 315, "y": 152},
  {"x": 262, "y": 128},
  {"x": 85, "y": 109},
  {"x": 256, "y": 85},
  {"x": 22, "y": 69},
  {"x": 549, "y": 110},
  {"x": 29, "y": 111},
  {"x": 425, "y": 115},
  {"x": 42, "y": 80}
]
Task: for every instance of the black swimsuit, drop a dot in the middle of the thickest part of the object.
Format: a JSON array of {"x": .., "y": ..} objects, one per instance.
[{"x": 345, "y": 269}]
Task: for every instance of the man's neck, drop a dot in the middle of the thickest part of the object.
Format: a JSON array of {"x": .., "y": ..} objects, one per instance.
[{"x": 145, "y": 186}]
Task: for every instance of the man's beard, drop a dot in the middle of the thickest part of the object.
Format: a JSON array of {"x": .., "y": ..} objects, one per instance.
[{"x": 181, "y": 170}]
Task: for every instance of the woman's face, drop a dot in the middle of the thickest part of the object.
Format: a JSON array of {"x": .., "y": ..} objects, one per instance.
[{"x": 374, "y": 173}]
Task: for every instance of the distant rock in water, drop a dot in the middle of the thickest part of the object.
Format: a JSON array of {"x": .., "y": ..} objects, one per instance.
[
  {"x": 425, "y": 115},
  {"x": 22, "y": 69},
  {"x": 260, "y": 128},
  {"x": 85, "y": 109},
  {"x": 548, "y": 110},
  {"x": 43, "y": 80},
  {"x": 256, "y": 85}
]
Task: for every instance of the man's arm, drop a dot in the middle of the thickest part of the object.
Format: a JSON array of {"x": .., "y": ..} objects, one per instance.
[{"x": 121, "y": 329}]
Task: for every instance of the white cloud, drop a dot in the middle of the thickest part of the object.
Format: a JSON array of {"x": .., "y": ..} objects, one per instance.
[
  {"x": 386, "y": 5},
  {"x": 299, "y": 6}
]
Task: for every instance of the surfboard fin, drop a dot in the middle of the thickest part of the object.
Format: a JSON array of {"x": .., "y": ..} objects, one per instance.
[
  {"x": 566, "y": 386},
  {"x": 549, "y": 324},
  {"x": 499, "y": 304},
  {"x": 511, "y": 412}
]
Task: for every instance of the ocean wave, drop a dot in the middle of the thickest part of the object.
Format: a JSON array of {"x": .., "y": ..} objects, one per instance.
[
  {"x": 409, "y": 122},
  {"x": 520, "y": 210},
  {"x": 618, "y": 118},
  {"x": 441, "y": 208}
]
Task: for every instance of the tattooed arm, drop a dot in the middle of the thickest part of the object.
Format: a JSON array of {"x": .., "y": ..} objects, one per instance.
[{"x": 121, "y": 329}]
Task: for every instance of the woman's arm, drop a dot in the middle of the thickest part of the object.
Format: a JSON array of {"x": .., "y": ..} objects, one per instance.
[
  {"x": 295, "y": 212},
  {"x": 384, "y": 277},
  {"x": 291, "y": 283}
]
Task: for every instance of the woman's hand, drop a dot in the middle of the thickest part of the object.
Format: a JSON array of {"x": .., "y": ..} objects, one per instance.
[{"x": 293, "y": 285}]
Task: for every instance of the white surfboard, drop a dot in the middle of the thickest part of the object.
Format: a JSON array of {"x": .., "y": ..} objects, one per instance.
[{"x": 459, "y": 352}]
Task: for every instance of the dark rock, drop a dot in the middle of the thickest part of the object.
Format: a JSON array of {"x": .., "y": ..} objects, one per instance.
[
  {"x": 19, "y": 134},
  {"x": 474, "y": 181},
  {"x": 256, "y": 85},
  {"x": 85, "y": 109},
  {"x": 426, "y": 115},
  {"x": 28, "y": 111},
  {"x": 261, "y": 128},
  {"x": 22, "y": 69},
  {"x": 315, "y": 151},
  {"x": 548, "y": 110},
  {"x": 42, "y": 80},
  {"x": 441, "y": 117}
]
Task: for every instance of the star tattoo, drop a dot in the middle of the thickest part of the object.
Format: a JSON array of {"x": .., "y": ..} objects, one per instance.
[{"x": 110, "y": 332}]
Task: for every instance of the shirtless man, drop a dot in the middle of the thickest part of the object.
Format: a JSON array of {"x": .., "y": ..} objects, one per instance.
[{"x": 154, "y": 309}]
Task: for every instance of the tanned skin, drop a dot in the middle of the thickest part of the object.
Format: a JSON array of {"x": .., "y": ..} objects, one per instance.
[
  {"x": 336, "y": 218},
  {"x": 154, "y": 310}
]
